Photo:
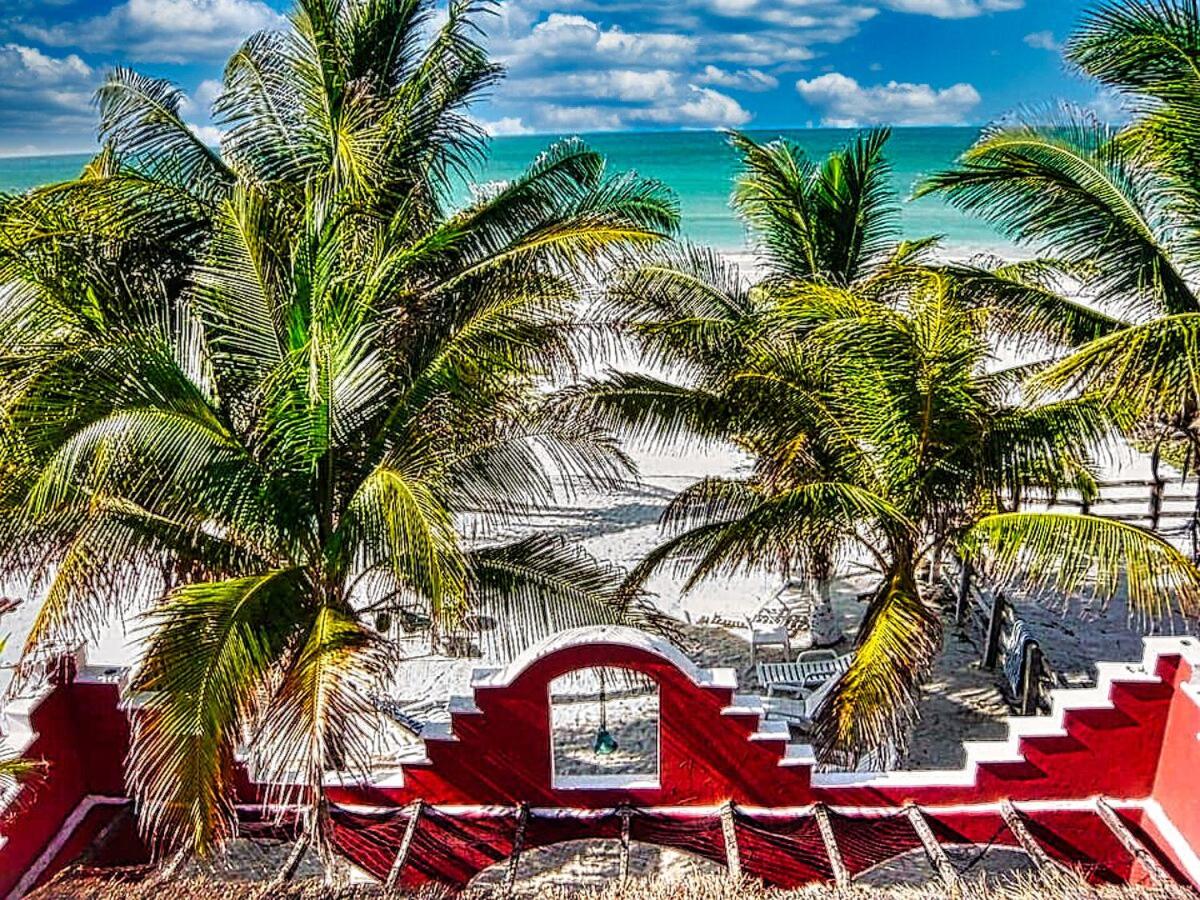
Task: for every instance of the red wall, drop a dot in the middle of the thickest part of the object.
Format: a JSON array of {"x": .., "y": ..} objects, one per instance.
[
  {"x": 82, "y": 737},
  {"x": 1177, "y": 786},
  {"x": 501, "y": 755},
  {"x": 1140, "y": 744}
]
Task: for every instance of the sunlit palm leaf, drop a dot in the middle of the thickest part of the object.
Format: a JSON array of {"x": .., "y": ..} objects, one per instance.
[
  {"x": 1154, "y": 368},
  {"x": 1074, "y": 556},
  {"x": 875, "y": 702},
  {"x": 1070, "y": 189},
  {"x": 212, "y": 650}
]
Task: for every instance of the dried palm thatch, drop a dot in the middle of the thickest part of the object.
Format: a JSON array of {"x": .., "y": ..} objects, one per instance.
[{"x": 134, "y": 885}]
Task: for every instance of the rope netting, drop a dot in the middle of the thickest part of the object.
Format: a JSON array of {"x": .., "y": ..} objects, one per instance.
[
  {"x": 786, "y": 852},
  {"x": 450, "y": 847},
  {"x": 370, "y": 840},
  {"x": 698, "y": 834},
  {"x": 866, "y": 842}
]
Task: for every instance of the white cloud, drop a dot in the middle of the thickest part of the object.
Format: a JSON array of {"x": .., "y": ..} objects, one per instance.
[
  {"x": 626, "y": 85},
  {"x": 742, "y": 80},
  {"x": 200, "y": 101},
  {"x": 705, "y": 108},
  {"x": 507, "y": 125},
  {"x": 176, "y": 31},
  {"x": 44, "y": 95},
  {"x": 711, "y": 108},
  {"x": 210, "y": 134},
  {"x": 1109, "y": 106},
  {"x": 954, "y": 9},
  {"x": 843, "y": 102},
  {"x": 1043, "y": 40},
  {"x": 596, "y": 64},
  {"x": 761, "y": 50},
  {"x": 574, "y": 38},
  {"x": 553, "y": 117}
]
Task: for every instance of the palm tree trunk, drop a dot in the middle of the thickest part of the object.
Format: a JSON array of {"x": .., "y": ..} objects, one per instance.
[
  {"x": 824, "y": 625},
  {"x": 1194, "y": 525}
]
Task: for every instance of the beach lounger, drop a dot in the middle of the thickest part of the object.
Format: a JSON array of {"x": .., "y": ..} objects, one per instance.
[
  {"x": 810, "y": 670},
  {"x": 771, "y": 625},
  {"x": 811, "y": 679},
  {"x": 798, "y": 710}
]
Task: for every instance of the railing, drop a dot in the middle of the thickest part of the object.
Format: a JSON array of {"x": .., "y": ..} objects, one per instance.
[
  {"x": 1008, "y": 643},
  {"x": 1167, "y": 505}
]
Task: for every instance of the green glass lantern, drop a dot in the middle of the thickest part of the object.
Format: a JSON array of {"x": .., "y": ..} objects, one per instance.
[{"x": 605, "y": 744}]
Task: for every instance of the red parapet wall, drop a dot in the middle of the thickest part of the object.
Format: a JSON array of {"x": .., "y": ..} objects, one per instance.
[
  {"x": 78, "y": 731},
  {"x": 725, "y": 773}
]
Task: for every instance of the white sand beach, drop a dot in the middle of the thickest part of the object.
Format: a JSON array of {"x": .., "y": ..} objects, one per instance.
[{"x": 960, "y": 702}]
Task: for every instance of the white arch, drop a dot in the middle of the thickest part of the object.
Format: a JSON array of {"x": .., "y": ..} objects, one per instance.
[{"x": 610, "y": 635}]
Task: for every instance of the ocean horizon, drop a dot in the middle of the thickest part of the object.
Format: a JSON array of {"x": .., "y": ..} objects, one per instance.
[{"x": 698, "y": 165}]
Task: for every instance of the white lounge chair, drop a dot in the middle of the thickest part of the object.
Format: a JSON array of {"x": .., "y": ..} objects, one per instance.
[
  {"x": 788, "y": 611},
  {"x": 811, "y": 679}
]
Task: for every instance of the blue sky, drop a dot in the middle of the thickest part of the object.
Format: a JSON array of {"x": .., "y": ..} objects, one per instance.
[{"x": 590, "y": 65}]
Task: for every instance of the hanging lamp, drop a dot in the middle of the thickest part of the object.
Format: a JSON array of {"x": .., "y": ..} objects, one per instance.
[{"x": 605, "y": 744}]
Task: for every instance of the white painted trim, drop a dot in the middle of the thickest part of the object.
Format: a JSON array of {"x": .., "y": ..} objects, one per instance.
[
  {"x": 64, "y": 833},
  {"x": 598, "y": 636},
  {"x": 1183, "y": 851},
  {"x": 630, "y": 781}
]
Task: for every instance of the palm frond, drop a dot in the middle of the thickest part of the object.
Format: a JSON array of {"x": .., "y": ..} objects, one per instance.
[
  {"x": 541, "y": 585},
  {"x": 1076, "y": 556},
  {"x": 1027, "y": 303},
  {"x": 1152, "y": 368},
  {"x": 140, "y": 117},
  {"x": 1072, "y": 190},
  {"x": 875, "y": 702},
  {"x": 320, "y": 717},
  {"x": 212, "y": 650}
]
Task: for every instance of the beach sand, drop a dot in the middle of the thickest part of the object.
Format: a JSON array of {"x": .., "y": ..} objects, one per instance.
[{"x": 961, "y": 701}]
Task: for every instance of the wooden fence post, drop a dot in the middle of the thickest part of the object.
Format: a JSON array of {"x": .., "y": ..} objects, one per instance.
[
  {"x": 625, "y": 814},
  {"x": 991, "y": 650},
  {"x": 964, "y": 592},
  {"x": 733, "y": 859},
  {"x": 1031, "y": 679}
]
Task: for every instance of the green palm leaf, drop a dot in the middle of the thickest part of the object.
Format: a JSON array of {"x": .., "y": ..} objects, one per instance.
[
  {"x": 213, "y": 648},
  {"x": 1074, "y": 555}
]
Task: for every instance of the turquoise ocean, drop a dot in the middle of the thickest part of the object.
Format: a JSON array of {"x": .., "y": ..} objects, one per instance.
[{"x": 699, "y": 167}]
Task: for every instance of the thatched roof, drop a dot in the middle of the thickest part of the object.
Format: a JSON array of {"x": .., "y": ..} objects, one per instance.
[{"x": 84, "y": 884}]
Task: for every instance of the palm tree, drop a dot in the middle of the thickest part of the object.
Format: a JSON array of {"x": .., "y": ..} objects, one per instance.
[
  {"x": 272, "y": 431},
  {"x": 1120, "y": 209},
  {"x": 694, "y": 317},
  {"x": 863, "y": 399}
]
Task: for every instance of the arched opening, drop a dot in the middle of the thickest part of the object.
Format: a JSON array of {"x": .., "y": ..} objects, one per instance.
[
  {"x": 596, "y": 864},
  {"x": 604, "y": 729}
]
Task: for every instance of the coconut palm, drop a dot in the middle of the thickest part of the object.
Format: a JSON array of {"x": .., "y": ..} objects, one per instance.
[
  {"x": 695, "y": 319},
  {"x": 276, "y": 432},
  {"x": 863, "y": 399},
  {"x": 1121, "y": 208}
]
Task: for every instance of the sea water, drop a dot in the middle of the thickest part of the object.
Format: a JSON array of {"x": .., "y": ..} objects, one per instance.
[{"x": 699, "y": 166}]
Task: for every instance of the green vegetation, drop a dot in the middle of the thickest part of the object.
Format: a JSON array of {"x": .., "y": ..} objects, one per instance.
[
  {"x": 1117, "y": 209},
  {"x": 854, "y": 377},
  {"x": 265, "y": 387}
]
